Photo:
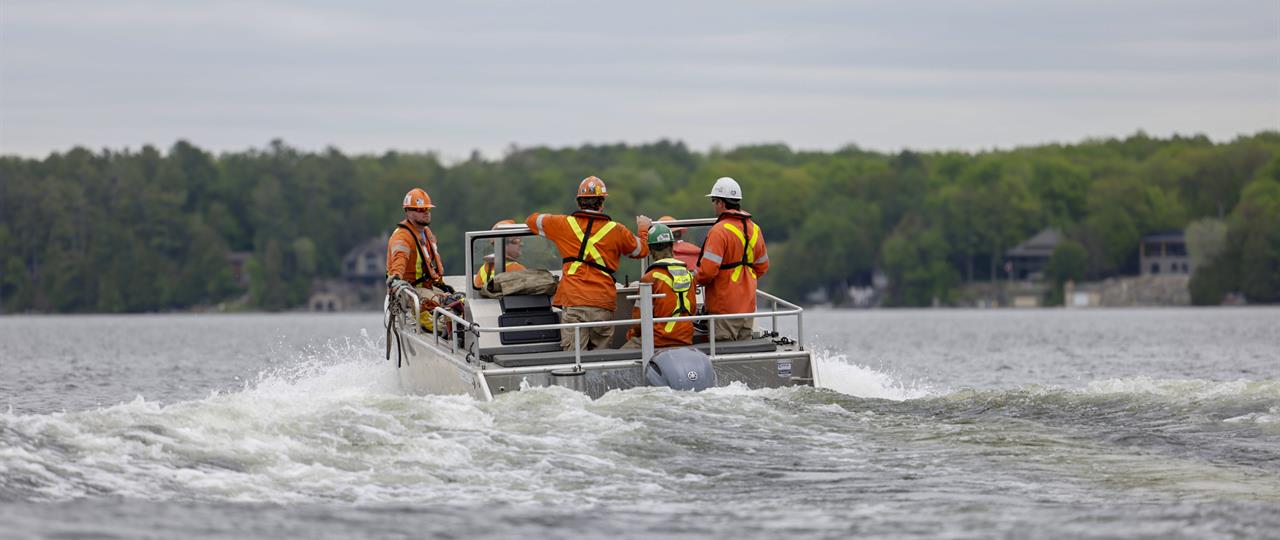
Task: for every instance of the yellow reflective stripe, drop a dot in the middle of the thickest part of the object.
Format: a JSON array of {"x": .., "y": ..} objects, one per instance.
[
  {"x": 485, "y": 274},
  {"x": 591, "y": 244},
  {"x": 737, "y": 270},
  {"x": 749, "y": 249},
  {"x": 577, "y": 231},
  {"x": 687, "y": 301},
  {"x": 590, "y": 251}
]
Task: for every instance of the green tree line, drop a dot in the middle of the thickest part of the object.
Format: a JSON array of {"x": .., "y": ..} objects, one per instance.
[{"x": 149, "y": 230}]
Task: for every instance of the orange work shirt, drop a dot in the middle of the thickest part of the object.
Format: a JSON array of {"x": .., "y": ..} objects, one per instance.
[
  {"x": 674, "y": 333},
  {"x": 590, "y": 244},
  {"x": 733, "y": 257},
  {"x": 407, "y": 248}
]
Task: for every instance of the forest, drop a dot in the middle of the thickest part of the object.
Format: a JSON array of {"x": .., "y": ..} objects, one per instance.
[{"x": 142, "y": 230}]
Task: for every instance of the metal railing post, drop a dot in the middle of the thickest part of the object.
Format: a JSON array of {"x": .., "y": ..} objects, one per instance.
[
  {"x": 646, "y": 321},
  {"x": 773, "y": 321},
  {"x": 711, "y": 325},
  {"x": 577, "y": 348},
  {"x": 800, "y": 330}
]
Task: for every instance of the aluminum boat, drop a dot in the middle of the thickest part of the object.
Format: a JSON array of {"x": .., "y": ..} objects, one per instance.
[{"x": 481, "y": 353}]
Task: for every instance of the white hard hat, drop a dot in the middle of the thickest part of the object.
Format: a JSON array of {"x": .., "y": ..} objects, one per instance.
[{"x": 726, "y": 188}]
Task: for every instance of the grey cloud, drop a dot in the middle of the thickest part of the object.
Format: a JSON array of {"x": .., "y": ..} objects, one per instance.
[{"x": 462, "y": 75}]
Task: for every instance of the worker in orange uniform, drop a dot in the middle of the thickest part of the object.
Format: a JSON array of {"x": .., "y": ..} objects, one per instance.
[
  {"x": 413, "y": 257},
  {"x": 733, "y": 257},
  {"x": 672, "y": 279},
  {"x": 511, "y": 253},
  {"x": 682, "y": 250},
  {"x": 590, "y": 245}
]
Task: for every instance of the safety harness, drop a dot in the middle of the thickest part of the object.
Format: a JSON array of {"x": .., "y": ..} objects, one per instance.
[
  {"x": 433, "y": 271},
  {"x": 587, "y": 242},
  {"x": 679, "y": 279},
  {"x": 748, "y": 234}
]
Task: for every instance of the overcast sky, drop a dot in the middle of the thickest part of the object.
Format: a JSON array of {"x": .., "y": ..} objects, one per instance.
[{"x": 368, "y": 76}]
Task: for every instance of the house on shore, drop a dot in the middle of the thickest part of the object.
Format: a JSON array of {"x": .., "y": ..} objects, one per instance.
[
  {"x": 1164, "y": 253},
  {"x": 361, "y": 284},
  {"x": 366, "y": 264},
  {"x": 1027, "y": 261}
]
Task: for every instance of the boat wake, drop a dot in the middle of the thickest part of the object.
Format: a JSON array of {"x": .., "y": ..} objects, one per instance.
[
  {"x": 837, "y": 373},
  {"x": 332, "y": 426}
]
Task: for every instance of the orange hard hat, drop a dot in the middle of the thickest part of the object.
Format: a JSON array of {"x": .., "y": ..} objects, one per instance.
[
  {"x": 673, "y": 229},
  {"x": 504, "y": 222},
  {"x": 417, "y": 199},
  {"x": 592, "y": 187}
]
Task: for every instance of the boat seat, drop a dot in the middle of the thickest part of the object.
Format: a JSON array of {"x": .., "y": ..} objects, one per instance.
[{"x": 506, "y": 359}]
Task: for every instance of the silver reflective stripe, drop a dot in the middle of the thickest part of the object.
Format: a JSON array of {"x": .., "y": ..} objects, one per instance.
[
  {"x": 712, "y": 257},
  {"x": 541, "y": 232},
  {"x": 401, "y": 249},
  {"x": 639, "y": 244},
  {"x": 762, "y": 259}
]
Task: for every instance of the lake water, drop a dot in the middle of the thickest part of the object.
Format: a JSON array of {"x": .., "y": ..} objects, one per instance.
[{"x": 936, "y": 424}]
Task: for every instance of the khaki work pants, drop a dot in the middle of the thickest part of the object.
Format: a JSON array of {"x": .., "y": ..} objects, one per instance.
[
  {"x": 734, "y": 329},
  {"x": 588, "y": 338}
]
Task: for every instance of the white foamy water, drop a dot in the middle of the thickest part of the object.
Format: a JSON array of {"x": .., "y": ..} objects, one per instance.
[
  {"x": 838, "y": 373},
  {"x": 930, "y": 424}
]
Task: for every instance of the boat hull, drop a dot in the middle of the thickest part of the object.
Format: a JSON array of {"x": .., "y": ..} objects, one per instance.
[{"x": 432, "y": 369}]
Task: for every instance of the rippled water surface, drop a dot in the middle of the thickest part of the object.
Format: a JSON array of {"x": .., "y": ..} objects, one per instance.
[{"x": 933, "y": 424}]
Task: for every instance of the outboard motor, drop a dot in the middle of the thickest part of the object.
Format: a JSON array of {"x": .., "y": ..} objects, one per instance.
[{"x": 685, "y": 368}]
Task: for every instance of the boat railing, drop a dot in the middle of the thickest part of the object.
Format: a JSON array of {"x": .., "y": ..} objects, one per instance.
[
  {"x": 444, "y": 320},
  {"x": 443, "y": 333}
]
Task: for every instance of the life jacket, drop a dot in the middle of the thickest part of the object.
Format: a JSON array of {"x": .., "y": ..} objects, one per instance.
[
  {"x": 434, "y": 270},
  {"x": 486, "y": 271},
  {"x": 587, "y": 242},
  {"x": 747, "y": 234},
  {"x": 678, "y": 277}
]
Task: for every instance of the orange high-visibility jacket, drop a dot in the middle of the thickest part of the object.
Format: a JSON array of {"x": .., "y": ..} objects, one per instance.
[
  {"x": 666, "y": 279},
  {"x": 486, "y": 271},
  {"x": 407, "y": 249},
  {"x": 590, "y": 245},
  {"x": 687, "y": 252},
  {"x": 733, "y": 256}
]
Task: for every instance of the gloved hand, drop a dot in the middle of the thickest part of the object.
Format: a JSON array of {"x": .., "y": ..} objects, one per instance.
[
  {"x": 394, "y": 282},
  {"x": 445, "y": 287}
]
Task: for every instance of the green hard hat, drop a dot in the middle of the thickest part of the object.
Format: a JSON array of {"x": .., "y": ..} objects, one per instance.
[{"x": 660, "y": 234}]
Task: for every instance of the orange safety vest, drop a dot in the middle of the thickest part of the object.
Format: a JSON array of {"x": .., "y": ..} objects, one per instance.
[
  {"x": 730, "y": 276},
  {"x": 590, "y": 245},
  {"x": 423, "y": 274},
  {"x": 486, "y": 272},
  {"x": 672, "y": 278}
]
